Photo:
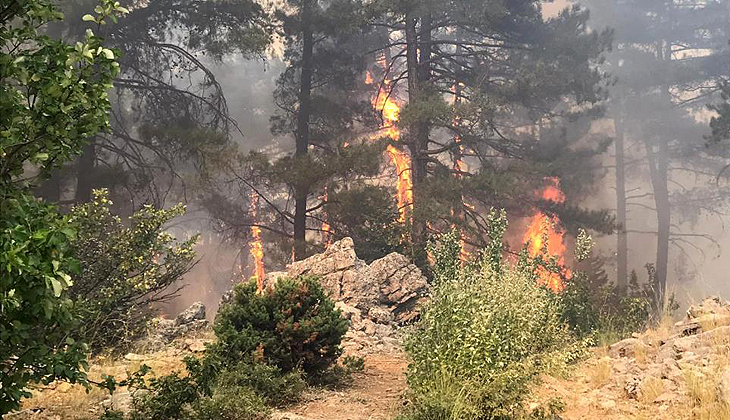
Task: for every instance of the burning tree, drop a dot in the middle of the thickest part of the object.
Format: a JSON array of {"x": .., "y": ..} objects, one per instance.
[
  {"x": 455, "y": 96},
  {"x": 484, "y": 82}
]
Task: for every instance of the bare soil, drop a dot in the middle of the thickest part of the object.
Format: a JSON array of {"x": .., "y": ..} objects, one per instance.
[{"x": 376, "y": 394}]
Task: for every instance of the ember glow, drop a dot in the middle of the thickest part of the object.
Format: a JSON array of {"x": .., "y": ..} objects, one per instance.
[
  {"x": 543, "y": 227},
  {"x": 256, "y": 246},
  {"x": 390, "y": 110}
]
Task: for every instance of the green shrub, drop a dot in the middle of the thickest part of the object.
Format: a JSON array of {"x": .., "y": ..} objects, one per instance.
[
  {"x": 484, "y": 338},
  {"x": 170, "y": 397},
  {"x": 268, "y": 383},
  {"x": 293, "y": 324},
  {"x": 236, "y": 403},
  {"x": 112, "y": 415},
  {"x": 126, "y": 269},
  {"x": 592, "y": 306},
  {"x": 247, "y": 391}
]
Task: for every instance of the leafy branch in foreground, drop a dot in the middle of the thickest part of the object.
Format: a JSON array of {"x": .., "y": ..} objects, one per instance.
[{"x": 53, "y": 96}]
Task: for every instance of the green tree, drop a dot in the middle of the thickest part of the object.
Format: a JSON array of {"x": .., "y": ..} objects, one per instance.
[
  {"x": 126, "y": 269},
  {"x": 53, "y": 97},
  {"x": 321, "y": 99},
  {"x": 324, "y": 107}
]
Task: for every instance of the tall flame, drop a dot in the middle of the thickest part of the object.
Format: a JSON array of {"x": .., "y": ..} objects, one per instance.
[
  {"x": 256, "y": 246},
  {"x": 326, "y": 228},
  {"x": 390, "y": 110},
  {"x": 543, "y": 227}
]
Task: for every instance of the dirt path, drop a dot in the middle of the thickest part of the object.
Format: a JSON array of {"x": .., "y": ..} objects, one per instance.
[{"x": 377, "y": 394}]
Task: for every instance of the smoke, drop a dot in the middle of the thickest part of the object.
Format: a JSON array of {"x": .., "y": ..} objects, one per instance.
[{"x": 697, "y": 264}]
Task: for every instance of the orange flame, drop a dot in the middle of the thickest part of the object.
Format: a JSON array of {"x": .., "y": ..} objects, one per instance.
[
  {"x": 390, "y": 110},
  {"x": 326, "y": 228},
  {"x": 543, "y": 227},
  {"x": 256, "y": 246}
]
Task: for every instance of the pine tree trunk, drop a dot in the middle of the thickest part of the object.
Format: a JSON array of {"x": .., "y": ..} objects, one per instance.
[
  {"x": 658, "y": 168},
  {"x": 85, "y": 173},
  {"x": 622, "y": 239},
  {"x": 302, "y": 134},
  {"x": 419, "y": 73}
]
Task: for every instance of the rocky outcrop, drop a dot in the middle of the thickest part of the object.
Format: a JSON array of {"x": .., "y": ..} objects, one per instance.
[
  {"x": 388, "y": 290},
  {"x": 375, "y": 298},
  {"x": 162, "y": 331},
  {"x": 692, "y": 347}
]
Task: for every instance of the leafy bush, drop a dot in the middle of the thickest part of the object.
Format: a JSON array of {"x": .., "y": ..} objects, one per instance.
[
  {"x": 170, "y": 397},
  {"x": 291, "y": 325},
  {"x": 53, "y": 97},
  {"x": 125, "y": 270},
  {"x": 35, "y": 313},
  {"x": 246, "y": 391},
  {"x": 592, "y": 306},
  {"x": 232, "y": 404},
  {"x": 275, "y": 388},
  {"x": 487, "y": 333},
  {"x": 267, "y": 342}
]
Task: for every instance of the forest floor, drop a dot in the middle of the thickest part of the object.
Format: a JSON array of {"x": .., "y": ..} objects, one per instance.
[
  {"x": 677, "y": 372},
  {"x": 378, "y": 393}
]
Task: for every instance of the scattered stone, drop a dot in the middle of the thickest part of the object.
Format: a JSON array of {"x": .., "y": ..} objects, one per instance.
[
  {"x": 391, "y": 284},
  {"x": 134, "y": 357},
  {"x": 349, "y": 312},
  {"x": 195, "y": 312},
  {"x": 375, "y": 298},
  {"x": 633, "y": 387},
  {"x": 626, "y": 348},
  {"x": 195, "y": 346},
  {"x": 161, "y": 331},
  {"x": 608, "y": 405},
  {"x": 64, "y": 387},
  {"x": 380, "y": 315},
  {"x": 712, "y": 305}
]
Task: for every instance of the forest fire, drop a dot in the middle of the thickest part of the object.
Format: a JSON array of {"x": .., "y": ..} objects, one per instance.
[
  {"x": 256, "y": 246},
  {"x": 543, "y": 227},
  {"x": 402, "y": 162}
]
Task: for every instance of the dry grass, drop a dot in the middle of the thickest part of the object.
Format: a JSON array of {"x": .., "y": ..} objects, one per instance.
[
  {"x": 651, "y": 388},
  {"x": 700, "y": 386},
  {"x": 640, "y": 355},
  {"x": 660, "y": 332},
  {"x": 73, "y": 402},
  {"x": 600, "y": 374}
]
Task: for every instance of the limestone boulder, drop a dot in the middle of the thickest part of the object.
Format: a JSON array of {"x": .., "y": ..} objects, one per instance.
[{"x": 390, "y": 289}]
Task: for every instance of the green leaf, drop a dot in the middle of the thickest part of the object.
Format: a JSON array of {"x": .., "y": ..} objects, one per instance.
[
  {"x": 57, "y": 287},
  {"x": 88, "y": 18}
]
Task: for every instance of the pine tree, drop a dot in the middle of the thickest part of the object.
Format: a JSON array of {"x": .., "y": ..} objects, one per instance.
[{"x": 168, "y": 109}]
